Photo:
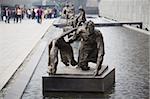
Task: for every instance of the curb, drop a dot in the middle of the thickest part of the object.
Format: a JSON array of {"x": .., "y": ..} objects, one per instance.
[
  {"x": 130, "y": 27},
  {"x": 24, "y": 77}
]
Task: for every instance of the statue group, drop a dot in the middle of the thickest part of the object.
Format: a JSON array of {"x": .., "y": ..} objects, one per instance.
[{"x": 91, "y": 47}]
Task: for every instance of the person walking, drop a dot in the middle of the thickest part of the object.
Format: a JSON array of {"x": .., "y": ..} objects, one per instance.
[
  {"x": 33, "y": 14},
  {"x": 7, "y": 15},
  {"x": 55, "y": 12},
  {"x": 39, "y": 15},
  {"x": 19, "y": 13},
  {"x": 29, "y": 13},
  {"x": 2, "y": 14}
]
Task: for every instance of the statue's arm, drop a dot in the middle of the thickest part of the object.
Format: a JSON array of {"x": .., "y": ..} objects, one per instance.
[
  {"x": 67, "y": 32},
  {"x": 100, "y": 48},
  {"x": 49, "y": 49}
]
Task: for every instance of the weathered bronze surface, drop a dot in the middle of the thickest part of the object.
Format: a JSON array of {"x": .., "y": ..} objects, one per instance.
[
  {"x": 66, "y": 53},
  {"x": 92, "y": 46}
]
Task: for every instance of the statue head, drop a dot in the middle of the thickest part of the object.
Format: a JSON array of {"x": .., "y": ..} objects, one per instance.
[
  {"x": 81, "y": 10},
  {"x": 90, "y": 26}
]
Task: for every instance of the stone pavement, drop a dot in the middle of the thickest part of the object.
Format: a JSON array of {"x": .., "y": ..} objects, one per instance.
[{"x": 16, "y": 42}]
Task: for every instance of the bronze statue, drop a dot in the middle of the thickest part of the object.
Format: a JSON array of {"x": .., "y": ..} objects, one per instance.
[
  {"x": 53, "y": 57},
  {"x": 76, "y": 22},
  {"x": 91, "y": 49},
  {"x": 68, "y": 12},
  {"x": 79, "y": 19},
  {"x": 66, "y": 52},
  {"x": 65, "y": 11},
  {"x": 92, "y": 46}
]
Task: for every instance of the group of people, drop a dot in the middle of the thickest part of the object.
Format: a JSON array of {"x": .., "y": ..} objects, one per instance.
[
  {"x": 48, "y": 13},
  {"x": 17, "y": 14}
]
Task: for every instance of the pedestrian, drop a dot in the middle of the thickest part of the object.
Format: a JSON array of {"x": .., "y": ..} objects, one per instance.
[
  {"x": 29, "y": 13},
  {"x": 33, "y": 13},
  {"x": 19, "y": 13},
  {"x": 55, "y": 12},
  {"x": 50, "y": 13},
  {"x": 7, "y": 15},
  {"x": 2, "y": 14},
  {"x": 39, "y": 15},
  {"x": 14, "y": 15},
  {"x": 23, "y": 13}
]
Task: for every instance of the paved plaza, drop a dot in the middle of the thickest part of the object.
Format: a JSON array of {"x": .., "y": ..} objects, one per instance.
[{"x": 16, "y": 42}]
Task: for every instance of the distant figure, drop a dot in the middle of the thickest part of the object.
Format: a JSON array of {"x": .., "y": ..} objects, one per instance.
[
  {"x": 33, "y": 13},
  {"x": 29, "y": 13},
  {"x": 19, "y": 13},
  {"x": 14, "y": 15},
  {"x": 55, "y": 12},
  {"x": 39, "y": 15},
  {"x": 50, "y": 11},
  {"x": 7, "y": 15},
  {"x": 2, "y": 14}
]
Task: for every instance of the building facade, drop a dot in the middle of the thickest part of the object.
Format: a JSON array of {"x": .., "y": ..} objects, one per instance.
[{"x": 126, "y": 10}]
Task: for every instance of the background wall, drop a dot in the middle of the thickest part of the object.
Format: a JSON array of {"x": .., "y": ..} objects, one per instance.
[{"x": 126, "y": 10}]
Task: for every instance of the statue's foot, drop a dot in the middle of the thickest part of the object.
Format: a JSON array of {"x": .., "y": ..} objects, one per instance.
[
  {"x": 74, "y": 63},
  {"x": 67, "y": 64},
  {"x": 85, "y": 68},
  {"x": 50, "y": 73}
]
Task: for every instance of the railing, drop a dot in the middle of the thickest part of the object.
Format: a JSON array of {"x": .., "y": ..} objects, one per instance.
[{"x": 140, "y": 24}]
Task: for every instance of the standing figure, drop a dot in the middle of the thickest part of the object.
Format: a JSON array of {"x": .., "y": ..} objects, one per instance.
[
  {"x": 55, "y": 12},
  {"x": 29, "y": 13},
  {"x": 39, "y": 15},
  {"x": 14, "y": 15},
  {"x": 7, "y": 15},
  {"x": 33, "y": 13},
  {"x": 19, "y": 14}
]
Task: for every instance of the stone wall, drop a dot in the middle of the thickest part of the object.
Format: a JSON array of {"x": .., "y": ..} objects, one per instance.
[{"x": 126, "y": 10}]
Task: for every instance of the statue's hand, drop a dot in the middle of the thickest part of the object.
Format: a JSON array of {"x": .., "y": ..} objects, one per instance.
[{"x": 70, "y": 41}]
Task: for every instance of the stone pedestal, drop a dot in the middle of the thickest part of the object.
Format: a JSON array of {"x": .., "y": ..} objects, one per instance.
[{"x": 79, "y": 82}]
